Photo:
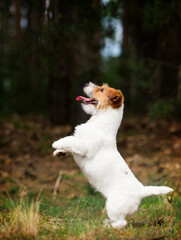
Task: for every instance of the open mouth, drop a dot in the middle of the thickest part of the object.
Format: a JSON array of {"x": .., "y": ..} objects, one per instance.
[{"x": 86, "y": 100}]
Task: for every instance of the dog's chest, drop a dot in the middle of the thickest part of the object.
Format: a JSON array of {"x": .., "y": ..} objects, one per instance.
[{"x": 86, "y": 131}]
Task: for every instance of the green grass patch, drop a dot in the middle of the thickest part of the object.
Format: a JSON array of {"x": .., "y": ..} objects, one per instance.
[{"x": 82, "y": 218}]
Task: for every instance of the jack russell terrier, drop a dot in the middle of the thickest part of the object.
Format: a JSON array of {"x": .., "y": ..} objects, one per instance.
[{"x": 93, "y": 146}]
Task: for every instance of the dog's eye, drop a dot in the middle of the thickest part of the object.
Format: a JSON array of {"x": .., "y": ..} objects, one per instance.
[{"x": 102, "y": 89}]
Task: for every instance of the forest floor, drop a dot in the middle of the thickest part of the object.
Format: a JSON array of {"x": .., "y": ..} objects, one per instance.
[{"x": 28, "y": 173}]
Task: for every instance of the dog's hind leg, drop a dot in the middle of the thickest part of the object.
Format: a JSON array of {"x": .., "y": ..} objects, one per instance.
[
  {"x": 115, "y": 213},
  {"x": 119, "y": 224}
]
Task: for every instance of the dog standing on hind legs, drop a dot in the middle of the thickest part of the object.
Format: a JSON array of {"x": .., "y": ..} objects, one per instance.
[{"x": 93, "y": 146}]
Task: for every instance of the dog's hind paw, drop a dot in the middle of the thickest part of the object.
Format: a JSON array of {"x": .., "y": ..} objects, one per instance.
[
  {"x": 58, "y": 153},
  {"x": 119, "y": 224}
]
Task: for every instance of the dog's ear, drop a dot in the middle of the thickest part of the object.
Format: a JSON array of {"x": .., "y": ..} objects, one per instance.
[{"x": 116, "y": 98}]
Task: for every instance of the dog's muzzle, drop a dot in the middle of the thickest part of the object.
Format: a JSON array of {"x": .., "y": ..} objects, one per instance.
[{"x": 88, "y": 89}]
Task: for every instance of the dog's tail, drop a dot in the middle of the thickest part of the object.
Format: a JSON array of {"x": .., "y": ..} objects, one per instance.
[{"x": 153, "y": 190}]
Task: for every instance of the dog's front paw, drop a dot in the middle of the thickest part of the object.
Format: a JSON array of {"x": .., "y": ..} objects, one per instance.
[
  {"x": 58, "y": 153},
  {"x": 56, "y": 144}
]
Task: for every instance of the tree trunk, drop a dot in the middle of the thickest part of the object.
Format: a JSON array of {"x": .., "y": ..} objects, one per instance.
[
  {"x": 179, "y": 83},
  {"x": 155, "y": 41},
  {"x": 17, "y": 4},
  {"x": 60, "y": 66},
  {"x": 76, "y": 58},
  {"x": 59, "y": 96}
]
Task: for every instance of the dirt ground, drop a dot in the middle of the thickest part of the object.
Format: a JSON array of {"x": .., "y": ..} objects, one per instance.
[{"x": 152, "y": 150}]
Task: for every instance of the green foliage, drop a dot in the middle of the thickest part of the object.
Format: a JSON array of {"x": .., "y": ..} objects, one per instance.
[
  {"x": 132, "y": 77},
  {"x": 24, "y": 81},
  {"x": 47, "y": 46},
  {"x": 159, "y": 14},
  {"x": 139, "y": 81},
  {"x": 165, "y": 108},
  {"x": 67, "y": 42}
]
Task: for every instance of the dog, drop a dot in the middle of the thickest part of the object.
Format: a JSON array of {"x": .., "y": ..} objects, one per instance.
[{"x": 93, "y": 146}]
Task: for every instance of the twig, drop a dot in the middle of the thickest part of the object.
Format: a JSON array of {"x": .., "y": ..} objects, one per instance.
[{"x": 57, "y": 184}]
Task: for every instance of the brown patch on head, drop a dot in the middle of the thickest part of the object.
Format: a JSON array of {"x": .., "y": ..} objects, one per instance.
[{"x": 108, "y": 97}]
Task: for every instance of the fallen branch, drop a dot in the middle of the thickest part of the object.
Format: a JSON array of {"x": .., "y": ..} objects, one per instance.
[{"x": 57, "y": 184}]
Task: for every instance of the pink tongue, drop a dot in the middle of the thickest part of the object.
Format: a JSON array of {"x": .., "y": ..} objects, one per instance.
[{"x": 80, "y": 98}]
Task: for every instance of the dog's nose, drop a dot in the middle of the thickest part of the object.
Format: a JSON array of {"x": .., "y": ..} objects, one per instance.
[{"x": 87, "y": 84}]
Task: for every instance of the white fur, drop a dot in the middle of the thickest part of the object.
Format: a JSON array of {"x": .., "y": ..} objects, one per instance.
[{"x": 93, "y": 146}]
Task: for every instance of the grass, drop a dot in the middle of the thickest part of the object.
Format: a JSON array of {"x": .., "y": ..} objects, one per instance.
[
  {"x": 22, "y": 219},
  {"x": 82, "y": 218}
]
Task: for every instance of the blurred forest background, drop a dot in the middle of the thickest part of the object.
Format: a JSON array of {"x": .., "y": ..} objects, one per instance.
[{"x": 49, "y": 49}]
